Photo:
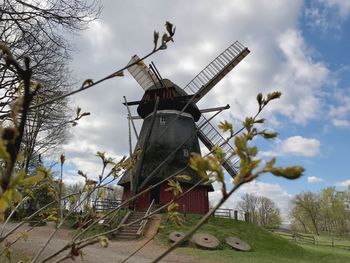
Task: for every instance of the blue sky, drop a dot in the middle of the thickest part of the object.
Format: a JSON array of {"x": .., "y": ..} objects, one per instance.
[{"x": 298, "y": 47}]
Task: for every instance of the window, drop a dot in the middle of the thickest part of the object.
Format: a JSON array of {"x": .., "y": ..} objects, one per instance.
[
  {"x": 186, "y": 152},
  {"x": 162, "y": 120}
]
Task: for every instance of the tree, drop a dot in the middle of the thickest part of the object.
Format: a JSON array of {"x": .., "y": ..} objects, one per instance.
[
  {"x": 38, "y": 30},
  {"x": 269, "y": 213},
  {"x": 249, "y": 205},
  {"x": 261, "y": 210},
  {"x": 309, "y": 204}
]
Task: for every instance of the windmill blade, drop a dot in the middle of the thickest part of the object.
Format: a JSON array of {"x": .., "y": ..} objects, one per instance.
[
  {"x": 141, "y": 73},
  {"x": 216, "y": 70},
  {"x": 210, "y": 137}
]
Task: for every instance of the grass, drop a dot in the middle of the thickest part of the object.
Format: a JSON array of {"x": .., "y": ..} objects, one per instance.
[{"x": 266, "y": 246}]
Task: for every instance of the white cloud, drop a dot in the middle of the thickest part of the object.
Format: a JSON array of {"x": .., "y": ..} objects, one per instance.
[
  {"x": 314, "y": 179},
  {"x": 300, "y": 100},
  {"x": 339, "y": 113},
  {"x": 295, "y": 145},
  {"x": 343, "y": 183},
  {"x": 273, "y": 191},
  {"x": 342, "y": 6},
  {"x": 300, "y": 146}
]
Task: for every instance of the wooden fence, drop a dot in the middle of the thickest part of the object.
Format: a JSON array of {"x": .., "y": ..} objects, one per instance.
[
  {"x": 103, "y": 205},
  {"x": 329, "y": 241}
]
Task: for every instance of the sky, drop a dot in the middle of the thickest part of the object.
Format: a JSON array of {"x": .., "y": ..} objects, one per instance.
[{"x": 297, "y": 47}]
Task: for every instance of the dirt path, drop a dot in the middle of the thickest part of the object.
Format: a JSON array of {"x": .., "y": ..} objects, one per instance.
[{"x": 116, "y": 251}]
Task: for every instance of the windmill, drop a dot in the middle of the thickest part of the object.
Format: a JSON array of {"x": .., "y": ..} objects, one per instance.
[{"x": 171, "y": 130}]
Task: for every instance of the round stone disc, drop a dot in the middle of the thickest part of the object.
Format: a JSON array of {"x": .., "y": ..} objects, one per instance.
[
  {"x": 176, "y": 236},
  {"x": 237, "y": 244},
  {"x": 204, "y": 240}
]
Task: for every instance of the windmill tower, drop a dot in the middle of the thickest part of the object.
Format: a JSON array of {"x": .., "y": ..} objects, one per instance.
[{"x": 172, "y": 125}]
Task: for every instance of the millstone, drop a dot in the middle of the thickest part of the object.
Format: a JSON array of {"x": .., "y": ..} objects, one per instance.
[
  {"x": 205, "y": 241},
  {"x": 237, "y": 244},
  {"x": 176, "y": 236}
]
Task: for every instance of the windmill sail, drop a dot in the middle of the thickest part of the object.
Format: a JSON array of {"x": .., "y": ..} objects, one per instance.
[
  {"x": 216, "y": 70},
  {"x": 202, "y": 84},
  {"x": 210, "y": 137},
  {"x": 141, "y": 73}
]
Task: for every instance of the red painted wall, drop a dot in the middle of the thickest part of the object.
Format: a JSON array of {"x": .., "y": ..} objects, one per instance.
[
  {"x": 195, "y": 201},
  {"x": 142, "y": 202}
]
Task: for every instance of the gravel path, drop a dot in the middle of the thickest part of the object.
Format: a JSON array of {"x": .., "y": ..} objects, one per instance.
[{"x": 115, "y": 252}]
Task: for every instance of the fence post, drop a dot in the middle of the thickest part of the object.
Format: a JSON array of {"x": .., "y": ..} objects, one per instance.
[{"x": 235, "y": 214}]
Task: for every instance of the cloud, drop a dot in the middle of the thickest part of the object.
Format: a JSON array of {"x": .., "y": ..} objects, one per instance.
[
  {"x": 300, "y": 146},
  {"x": 314, "y": 179},
  {"x": 295, "y": 145},
  {"x": 343, "y": 183},
  {"x": 326, "y": 14},
  {"x": 300, "y": 100},
  {"x": 273, "y": 191},
  {"x": 339, "y": 112},
  {"x": 342, "y": 7}
]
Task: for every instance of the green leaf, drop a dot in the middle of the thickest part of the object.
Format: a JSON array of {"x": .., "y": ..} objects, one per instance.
[
  {"x": 119, "y": 73},
  {"x": 269, "y": 165},
  {"x": 274, "y": 95},
  {"x": 259, "y": 98},
  {"x": 155, "y": 39},
  {"x": 259, "y": 121},
  {"x": 32, "y": 179},
  {"x": 87, "y": 82},
  {"x": 291, "y": 172},
  {"x": 3, "y": 151},
  {"x": 183, "y": 177},
  {"x": 225, "y": 126},
  {"x": 268, "y": 135},
  {"x": 169, "y": 28}
]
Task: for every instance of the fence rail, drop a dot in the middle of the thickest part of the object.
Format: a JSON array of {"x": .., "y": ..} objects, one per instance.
[
  {"x": 103, "y": 205},
  {"x": 314, "y": 239}
]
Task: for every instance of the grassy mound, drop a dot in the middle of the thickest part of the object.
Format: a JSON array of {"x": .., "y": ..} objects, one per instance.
[{"x": 266, "y": 246}]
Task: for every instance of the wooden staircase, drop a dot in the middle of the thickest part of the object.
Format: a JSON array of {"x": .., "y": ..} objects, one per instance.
[
  {"x": 131, "y": 232},
  {"x": 136, "y": 230}
]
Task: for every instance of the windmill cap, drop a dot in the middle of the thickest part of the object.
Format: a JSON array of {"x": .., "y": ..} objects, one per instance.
[{"x": 171, "y": 97}]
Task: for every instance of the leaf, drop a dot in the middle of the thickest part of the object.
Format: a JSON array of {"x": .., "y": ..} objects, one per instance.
[
  {"x": 269, "y": 165},
  {"x": 62, "y": 159},
  {"x": 260, "y": 121},
  {"x": 169, "y": 28},
  {"x": 183, "y": 177},
  {"x": 23, "y": 235},
  {"x": 119, "y": 73},
  {"x": 172, "y": 207},
  {"x": 32, "y": 179},
  {"x": 87, "y": 82},
  {"x": 225, "y": 126},
  {"x": 103, "y": 241},
  {"x": 268, "y": 135},
  {"x": 259, "y": 98},
  {"x": 3, "y": 203},
  {"x": 274, "y": 95},
  {"x": 219, "y": 153},
  {"x": 155, "y": 39},
  {"x": 291, "y": 172},
  {"x": 3, "y": 151}
]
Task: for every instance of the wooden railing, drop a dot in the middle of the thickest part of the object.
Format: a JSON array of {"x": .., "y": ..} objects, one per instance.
[
  {"x": 144, "y": 221},
  {"x": 106, "y": 204}
]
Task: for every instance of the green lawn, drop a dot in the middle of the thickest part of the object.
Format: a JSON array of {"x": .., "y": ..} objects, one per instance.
[{"x": 267, "y": 246}]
